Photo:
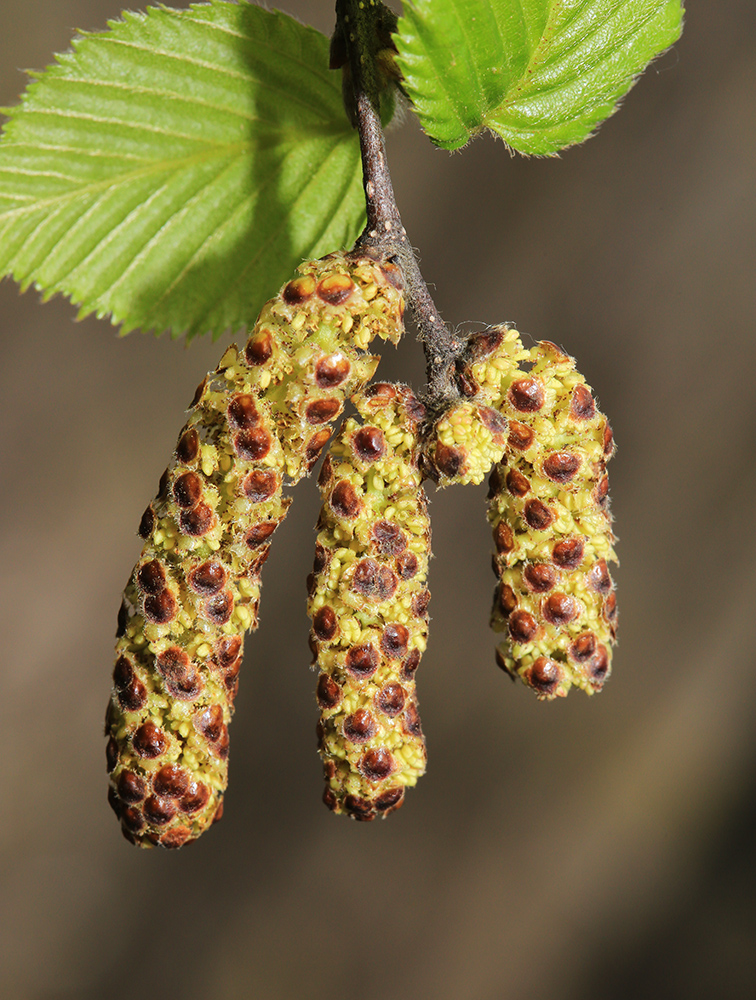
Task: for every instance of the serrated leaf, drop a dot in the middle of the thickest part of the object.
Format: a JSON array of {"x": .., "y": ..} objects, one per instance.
[
  {"x": 542, "y": 74},
  {"x": 173, "y": 170}
]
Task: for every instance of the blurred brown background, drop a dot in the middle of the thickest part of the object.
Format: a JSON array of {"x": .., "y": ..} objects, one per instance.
[{"x": 601, "y": 848}]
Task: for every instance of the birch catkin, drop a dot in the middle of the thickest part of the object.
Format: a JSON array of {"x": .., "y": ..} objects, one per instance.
[
  {"x": 548, "y": 507},
  {"x": 463, "y": 444},
  {"x": 368, "y": 604},
  {"x": 260, "y": 419}
]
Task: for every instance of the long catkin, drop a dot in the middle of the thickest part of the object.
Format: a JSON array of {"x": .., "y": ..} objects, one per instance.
[
  {"x": 368, "y": 605},
  {"x": 259, "y": 420}
]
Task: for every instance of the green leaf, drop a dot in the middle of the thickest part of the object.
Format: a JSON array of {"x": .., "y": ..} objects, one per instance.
[
  {"x": 542, "y": 74},
  {"x": 173, "y": 170}
]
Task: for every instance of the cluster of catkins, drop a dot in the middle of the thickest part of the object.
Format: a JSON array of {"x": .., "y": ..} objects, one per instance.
[{"x": 259, "y": 422}]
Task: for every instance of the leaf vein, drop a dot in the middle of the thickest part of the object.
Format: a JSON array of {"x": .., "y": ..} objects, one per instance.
[
  {"x": 275, "y": 233},
  {"x": 568, "y": 79},
  {"x": 144, "y": 250},
  {"x": 77, "y": 150},
  {"x": 175, "y": 95},
  {"x": 325, "y": 74},
  {"x": 245, "y": 77},
  {"x": 120, "y": 122},
  {"x": 153, "y": 167}
]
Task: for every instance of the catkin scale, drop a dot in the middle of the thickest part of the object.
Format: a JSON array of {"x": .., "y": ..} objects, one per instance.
[
  {"x": 368, "y": 604},
  {"x": 259, "y": 420},
  {"x": 548, "y": 507}
]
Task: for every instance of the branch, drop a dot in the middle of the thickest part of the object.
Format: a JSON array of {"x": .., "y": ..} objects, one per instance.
[{"x": 360, "y": 32}]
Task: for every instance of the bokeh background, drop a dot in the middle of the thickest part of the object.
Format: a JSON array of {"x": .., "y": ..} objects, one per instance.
[{"x": 595, "y": 848}]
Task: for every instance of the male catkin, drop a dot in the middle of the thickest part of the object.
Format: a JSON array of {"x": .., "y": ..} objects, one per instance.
[
  {"x": 548, "y": 507},
  {"x": 463, "y": 443},
  {"x": 368, "y": 604},
  {"x": 260, "y": 419}
]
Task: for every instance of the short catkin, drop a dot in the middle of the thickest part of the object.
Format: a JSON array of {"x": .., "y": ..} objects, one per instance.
[
  {"x": 463, "y": 443},
  {"x": 259, "y": 420},
  {"x": 368, "y": 604},
  {"x": 548, "y": 507}
]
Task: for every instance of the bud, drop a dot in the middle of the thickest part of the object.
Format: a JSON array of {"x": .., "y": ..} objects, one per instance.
[{"x": 368, "y": 605}]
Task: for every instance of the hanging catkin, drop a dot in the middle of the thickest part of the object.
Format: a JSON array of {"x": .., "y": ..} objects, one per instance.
[
  {"x": 368, "y": 605},
  {"x": 548, "y": 506},
  {"x": 463, "y": 444},
  {"x": 262, "y": 417}
]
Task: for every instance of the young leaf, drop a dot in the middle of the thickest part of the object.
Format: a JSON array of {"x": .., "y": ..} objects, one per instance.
[
  {"x": 542, "y": 74},
  {"x": 173, "y": 170}
]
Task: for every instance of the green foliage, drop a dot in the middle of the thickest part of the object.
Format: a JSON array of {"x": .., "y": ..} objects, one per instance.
[
  {"x": 174, "y": 170},
  {"x": 542, "y": 74}
]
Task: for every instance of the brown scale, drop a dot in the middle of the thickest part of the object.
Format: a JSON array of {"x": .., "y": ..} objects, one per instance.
[{"x": 264, "y": 414}]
